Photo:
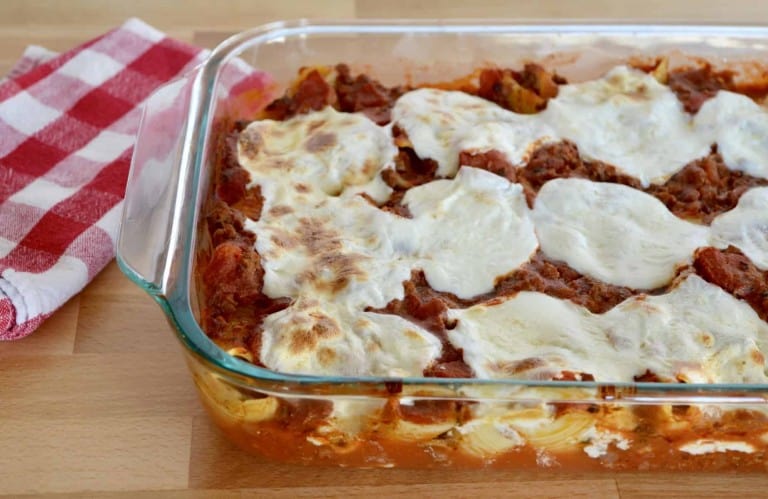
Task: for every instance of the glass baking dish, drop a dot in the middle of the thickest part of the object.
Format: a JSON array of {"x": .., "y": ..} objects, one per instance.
[{"x": 421, "y": 422}]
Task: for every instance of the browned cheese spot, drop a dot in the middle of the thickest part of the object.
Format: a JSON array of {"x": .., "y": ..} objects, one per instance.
[
  {"x": 413, "y": 335},
  {"x": 316, "y": 237},
  {"x": 320, "y": 141},
  {"x": 314, "y": 125},
  {"x": 251, "y": 143},
  {"x": 757, "y": 357},
  {"x": 640, "y": 93},
  {"x": 285, "y": 240},
  {"x": 370, "y": 167},
  {"x": 326, "y": 356},
  {"x": 707, "y": 339},
  {"x": 331, "y": 269},
  {"x": 520, "y": 366},
  {"x": 280, "y": 210},
  {"x": 306, "y": 339}
]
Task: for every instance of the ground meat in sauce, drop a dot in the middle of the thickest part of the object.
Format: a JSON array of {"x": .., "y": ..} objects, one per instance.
[
  {"x": 394, "y": 204},
  {"x": 232, "y": 178},
  {"x": 348, "y": 94},
  {"x": 312, "y": 93},
  {"x": 694, "y": 86},
  {"x": 648, "y": 377},
  {"x": 226, "y": 224},
  {"x": 493, "y": 161},
  {"x": 525, "y": 92},
  {"x": 550, "y": 161},
  {"x": 364, "y": 94},
  {"x": 235, "y": 275},
  {"x": 427, "y": 307},
  {"x": 560, "y": 281},
  {"x": 561, "y": 160},
  {"x": 232, "y": 276},
  {"x": 540, "y": 274},
  {"x": 700, "y": 191},
  {"x": 735, "y": 273},
  {"x": 704, "y": 189},
  {"x": 409, "y": 171}
]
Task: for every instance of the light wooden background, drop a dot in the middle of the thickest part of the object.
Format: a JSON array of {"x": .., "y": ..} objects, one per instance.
[{"x": 98, "y": 403}]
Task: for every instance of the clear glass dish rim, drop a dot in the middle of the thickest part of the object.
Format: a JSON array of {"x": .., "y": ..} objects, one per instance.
[{"x": 175, "y": 303}]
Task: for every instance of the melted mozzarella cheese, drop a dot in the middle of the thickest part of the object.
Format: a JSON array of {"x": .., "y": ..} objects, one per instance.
[
  {"x": 629, "y": 120},
  {"x": 464, "y": 233},
  {"x": 468, "y": 231},
  {"x": 337, "y": 255},
  {"x": 626, "y": 118},
  {"x": 338, "y": 248},
  {"x": 326, "y": 149},
  {"x": 612, "y": 232},
  {"x": 697, "y": 333},
  {"x": 441, "y": 124},
  {"x": 499, "y": 340},
  {"x": 746, "y": 226},
  {"x": 323, "y": 338},
  {"x": 739, "y": 126}
]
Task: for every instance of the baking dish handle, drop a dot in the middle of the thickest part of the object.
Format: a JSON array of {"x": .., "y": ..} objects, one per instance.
[{"x": 158, "y": 179}]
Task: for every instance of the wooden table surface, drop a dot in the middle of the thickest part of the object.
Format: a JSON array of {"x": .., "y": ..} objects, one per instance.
[{"x": 98, "y": 402}]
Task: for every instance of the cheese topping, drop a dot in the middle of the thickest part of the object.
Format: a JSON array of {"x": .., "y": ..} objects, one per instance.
[
  {"x": 337, "y": 255},
  {"x": 323, "y": 338},
  {"x": 441, "y": 124},
  {"x": 329, "y": 150},
  {"x": 626, "y": 237},
  {"x": 338, "y": 249},
  {"x": 630, "y": 120},
  {"x": 697, "y": 333},
  {"x": 613, "y": 232},
  {"x": 464, "y": 233},
  {"x": 467, "y": 232},
  {"x": 347, "y": 252},
  {"x": 746, "y": 226},
  {"x": 321, "y": 241},
  {"x": 626, "y": 118},
  {"x": 739, "y": 126}
]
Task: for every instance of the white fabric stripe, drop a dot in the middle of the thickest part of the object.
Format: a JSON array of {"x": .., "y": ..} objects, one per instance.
[
  {"x": 106, "y": 146},
  {"x": 94, "y": 68},
  {"x": 26, "y": 114},
  {"x": 42, "y": 193},
  {"x": 6, "y": 245}
]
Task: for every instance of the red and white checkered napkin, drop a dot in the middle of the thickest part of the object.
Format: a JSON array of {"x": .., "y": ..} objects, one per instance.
[{"x": 67, "y": 128}]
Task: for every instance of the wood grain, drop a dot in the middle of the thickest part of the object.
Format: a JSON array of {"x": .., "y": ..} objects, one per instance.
[{"x": 98, "y": 402}]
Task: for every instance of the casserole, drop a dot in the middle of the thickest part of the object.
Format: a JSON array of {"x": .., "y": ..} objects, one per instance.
[{"x": 415, "y": 421}]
